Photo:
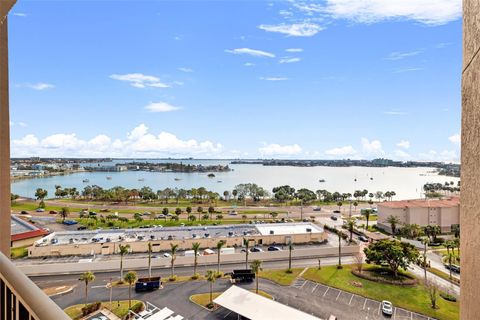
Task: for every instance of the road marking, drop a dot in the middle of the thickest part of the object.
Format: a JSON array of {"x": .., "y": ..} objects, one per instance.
[
  {"x": 394, "y": 313},
  {"x": 301, "y": 287},
  {"x": 379, "y": 308},
  {"x": 328, "y": 288},
  {"x": 94, "y": 287},
  {"x": 339, "y": 293},
  {"x": 411, "y": 315},
  {"x": 350, "y": 300},
  {"x": 364, "y": 304},
  {"x": 315, "y": 287}
]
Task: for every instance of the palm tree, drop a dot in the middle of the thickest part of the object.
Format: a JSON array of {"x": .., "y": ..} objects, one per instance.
[
  {"x": 393, "y": 221},
  {"x": 290, "y": 248},
  {"x": 64, "y": 213},
  {"x": 351, "y": 227},
  {"x": 130, "y": 278},
  {"x": 450, "y": 257},
  {"x": 339, "y": 250},
  {"x": 367, "y": 213},
  {"x": 87, "y": 277},
  {"x": 173, "y": 250},
  {"x": 200, "y": 211},
  {"x": 211, "y": 277},
  {"x": 246, "y": 243},
  {"x": 150, "y": 259},
  {"x": 123, "y": 250},
  {"x": 256, "y": 266},
  {"x": 220, "y": 245},
  {"x": 196, "y": 248},
  {"x": 339, "y": 204}
]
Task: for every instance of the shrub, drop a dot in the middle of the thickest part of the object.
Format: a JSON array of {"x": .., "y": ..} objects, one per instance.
[
  {"x": 195, "y": 276},
  {"x": 89, "y": 308},
  {"x": 289, "y": 271},
  {"x": 137, "y": 307},
  {"x": 172, "y": 278},
  {"x": 448, "y": 297}
]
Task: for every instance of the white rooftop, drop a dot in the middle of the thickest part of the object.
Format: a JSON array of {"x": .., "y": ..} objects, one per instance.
[
  {"x": 288, "y": 228},
  {"x": 256, "y": 307}
]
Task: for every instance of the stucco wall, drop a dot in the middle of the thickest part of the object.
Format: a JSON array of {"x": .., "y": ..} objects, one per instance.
[{"x": 470, "y": 176}]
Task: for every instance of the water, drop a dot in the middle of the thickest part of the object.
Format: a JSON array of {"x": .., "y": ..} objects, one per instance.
[{"x": 406, "y": 182}]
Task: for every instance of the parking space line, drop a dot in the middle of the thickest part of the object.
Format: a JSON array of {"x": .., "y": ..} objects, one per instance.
[
  {"x": 379, "y": 305},
  {"x": 303, "y": 284},
  {"x": 364, "y": 304},
  {"x": 351, "y": 299},
  {"x": 328, "y": 288},
  {"x": 411, "y": 315},
  {"x": 314, "y": 288},
  {"x": 339, "y": 293},
  {"x": 394, "y": 313}
]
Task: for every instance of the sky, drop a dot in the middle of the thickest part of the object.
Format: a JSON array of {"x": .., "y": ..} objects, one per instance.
[{"x": 326, "y": 79}]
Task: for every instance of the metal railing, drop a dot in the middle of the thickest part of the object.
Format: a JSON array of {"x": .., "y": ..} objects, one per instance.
[{"x": 21, "y": 299}]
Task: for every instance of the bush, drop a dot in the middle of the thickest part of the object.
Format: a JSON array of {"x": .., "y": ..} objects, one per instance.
[
  {"x": 195, "y": 276},
  {"x": 172, "y": 278},
  {"x": 137, "y": 307},
  {"x": 448, "y": 297},
  {"x": 89, "y": 308},
  {"x": 289, "y": 271}
]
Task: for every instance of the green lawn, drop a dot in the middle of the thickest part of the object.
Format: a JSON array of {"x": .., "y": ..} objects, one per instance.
[
  {"x": 412, "y": 298},
  {"x": 75, "y": 311},
  {"x": 281, "y": 276},
  {"x": 444, "y": 275},
  {"x": 20, "y": 252},
  {"x": 149, "y": 222}
]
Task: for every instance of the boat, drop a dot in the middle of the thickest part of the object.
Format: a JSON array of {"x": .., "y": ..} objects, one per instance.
[
  {"x": 141, "y": 179},
  {"x": 211, "y": 175},
  {"x": 109, "y": 178},
  {"x": 219, "y": 181},
  {"x": 177, "y": 179},
  {"x": 371, "y": 178},
  {"x": 321, "y": 180},
  {"x": 355, "y": 179},
  {"x": 85, "y": 180}
]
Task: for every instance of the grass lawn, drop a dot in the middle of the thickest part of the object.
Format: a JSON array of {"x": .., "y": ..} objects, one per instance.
[
  {"x": 281, "y": 276},
  {"x": 444, "y": 275},
  {"x": 19, "y": 252},
  {"x": 413, "y": 298},
  {"x": 203, "y": 299},
  {"x": 371, "y": 218},
  {"x": 132, "y": 223},
  {"x": 75, "y": 311}
]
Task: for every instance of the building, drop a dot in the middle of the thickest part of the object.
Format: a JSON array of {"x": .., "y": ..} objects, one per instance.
[
  {"x": 439, "y": 212},
  {"x": 108, "y": 241},
  {"x": 25, "y": 233}
]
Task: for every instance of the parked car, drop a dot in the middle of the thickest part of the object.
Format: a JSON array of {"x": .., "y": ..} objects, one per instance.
[
  {"x": 166, "y": 255},
  {"x": 256, "y": 249},
  {"x": 70, "y": 222},
  {"x": 82, "y": 228},
  {"x": 24, "y": 212},
  {"x": 317, "y": 209},
  {"x": 53, "y": 212},
  {"x": 336, "y": 211},
  {"x": 232, "y": 213},
  {"x": 274, "y": 248},
  {"x": 363, "y": 239},
  {"x": 387, "y": 308},
  {"x": 40, "y": 210},
  {"x": 332, "y": 317},
  {"x": 334, "y": 218},
  {"x": 147, "y": 284}
]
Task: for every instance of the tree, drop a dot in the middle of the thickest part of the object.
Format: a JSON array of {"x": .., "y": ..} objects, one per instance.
[
  {"x": 211, "y": 211},
  {"x": 196, "y": 248},
  {"x": 178, "y": 211},
  {"x": 123, "y": 250},
  {"x": 306, "y": 195},
  {"x": 246, "y": 242},
  {"x": 173, "y": 253},
  {"x": 449, "y": 258},
  {"x": 220, "y": 245},
  {"x": 367, "y": 213},
  {"x": 351, "y": 227},
  {"x": 339, "y": 204},
  {"x": 211, "y": 277},
  {"x": 41, "y": 194},
  {"x": 130, "y": 278},
  {"x": 256, "y": 266},
  {"x": 150, "y": 259},
  {"x": 188, "y": 210},
  {"x": 64, "y": 213},
  {"x": 199, "y": 211},
  {"x": 393, "y": 221},
  {"x": 432, "y": 289},
  {"x": 290, "y": 248},
  {"x": 87, "y": 277},
  {"x": 339, "y": 266},
  {"x": 392, "y": 252}
]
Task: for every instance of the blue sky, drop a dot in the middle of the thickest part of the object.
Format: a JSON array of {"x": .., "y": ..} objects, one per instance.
[{"x": 248, "y": 79}]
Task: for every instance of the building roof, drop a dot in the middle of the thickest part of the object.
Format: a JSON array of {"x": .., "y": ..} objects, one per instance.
[
  {"x": 288, "y": 228},
  {"x": 256, "y": 307},
  {"x": 22, "y": 229},
  {"x": 422, "y": 203}
]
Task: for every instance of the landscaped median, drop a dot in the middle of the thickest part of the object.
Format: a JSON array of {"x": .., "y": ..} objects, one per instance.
[
  {"x": 413, "y": 297},
  {"x": 281, "y": 277},
  {"x": 120, "y": 309},
  {"x": 203, "y": 299}
]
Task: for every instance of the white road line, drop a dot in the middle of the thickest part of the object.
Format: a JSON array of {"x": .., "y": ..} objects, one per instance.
[
  {"x": 364, "y": 304},
  {"x": 379, "y": 305},
  {"x": 314, "y": 288},
  {"x": 351, "y": 299},
  {"x": 104, "y": 286},
  {"x": 328, "y": 288},
  {"x": 303, "y": 284},
  {"x": 339, "y": 293},
  {"x": 394, "y": 313}
]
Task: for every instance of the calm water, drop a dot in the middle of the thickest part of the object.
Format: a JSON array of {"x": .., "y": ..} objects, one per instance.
[{"x": 406, "y": 182}]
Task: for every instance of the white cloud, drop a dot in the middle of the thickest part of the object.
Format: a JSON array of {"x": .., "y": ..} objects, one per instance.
[
  {"x": 20, "y": 14},
  {"x": 304, "y": 29},
  {"x": 402, "y": 55},
  {"x": 456, "y": 139},
  {"x": 401, "y": 154},
  {"x": 138, "y": 143},
  {"x": 341, "y": 151},
  {"x": 273, "y": 78},
  {"x": 140, "y": 80},
  {"x": 289, "y": 60},
  {"x": 445, "y": 155},
  {"x": 411, "y": 69},
  {"x": 39, "y": 86},
  {"x": 442, "y": 45},
  {"x": 279, "y": 150},
  {"x": 161, "y": 107},
  {"x": 395, "y": 113},
  {"x": 251, "y": 52},
  {"x": 249, "y": 64},
  {"x": 294, "y": 50},
  {"x": 403, "y": 144},
  {"x": 373, "y": 147},
  {"x": 429, "y": 12},
  {"x": 183, "y": 69}
]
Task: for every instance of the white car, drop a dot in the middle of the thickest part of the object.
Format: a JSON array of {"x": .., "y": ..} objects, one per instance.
[
  {"x": 387, "y": 307},
  {"x": 167, "y": 255}
]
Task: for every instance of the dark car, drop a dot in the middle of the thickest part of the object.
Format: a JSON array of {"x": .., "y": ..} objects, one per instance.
[
  {"x": 256, "y": 249},
  {"x": 334, "y": 218},
  {"x": 363, "y": 239},
  {"x": 82, "y": 228},
  {"x": 274, "y": 248},
  {"x": 24, "y": 212},
  {"x": 336, "y": 211},
  {"x": 53, "y": 212}
]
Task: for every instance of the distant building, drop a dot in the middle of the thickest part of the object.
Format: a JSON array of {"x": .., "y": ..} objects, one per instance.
[
  {"x": 440, "y": 212},
  {"x": 24, "y": 233}
]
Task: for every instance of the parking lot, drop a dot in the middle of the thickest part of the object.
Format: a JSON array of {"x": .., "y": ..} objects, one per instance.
[{"x": 360, "y": 307}]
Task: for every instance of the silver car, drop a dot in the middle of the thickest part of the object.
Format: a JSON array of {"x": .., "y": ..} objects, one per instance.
[{"x": 387, "y": 308}]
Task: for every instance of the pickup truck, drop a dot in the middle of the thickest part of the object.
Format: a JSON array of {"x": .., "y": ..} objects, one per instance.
[
  {"x": 147, "y": 284},
  {"x": 243, "y": 275}
]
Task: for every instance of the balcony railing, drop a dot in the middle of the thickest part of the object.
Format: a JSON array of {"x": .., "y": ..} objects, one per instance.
[{"x": 21, "y": 299}]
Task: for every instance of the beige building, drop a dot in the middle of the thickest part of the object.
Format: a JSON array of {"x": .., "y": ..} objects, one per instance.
[{"x": 440, "y": 212}]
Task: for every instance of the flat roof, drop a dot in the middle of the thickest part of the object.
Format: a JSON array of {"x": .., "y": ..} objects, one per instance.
[
  {"x": 256, "y": 307},
  {"x": 177, "y": 233},
  {"x": 422, "y": 203},
  {"x": 21, "y": 229}
]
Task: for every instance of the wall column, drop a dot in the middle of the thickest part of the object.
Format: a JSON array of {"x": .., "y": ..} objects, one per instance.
[{"x": 470, "y": 177}]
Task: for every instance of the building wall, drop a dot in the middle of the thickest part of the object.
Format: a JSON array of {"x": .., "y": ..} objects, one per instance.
[
  {"x": 385, "y": 212},
  {"x": 164, "y": 245},
  {"x": 418, "y": 216},
  {"x": 25, "y": 242},
  {"x": 470, "y": 159}
]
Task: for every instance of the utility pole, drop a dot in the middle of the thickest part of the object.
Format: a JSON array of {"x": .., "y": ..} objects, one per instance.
[{"x": 111, "y": 289}]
